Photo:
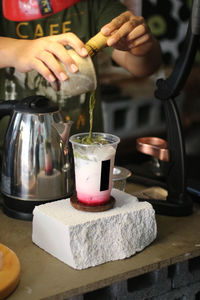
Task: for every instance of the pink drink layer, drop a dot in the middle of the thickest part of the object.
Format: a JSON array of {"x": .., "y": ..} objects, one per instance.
[{"x": 94, "y": 200}]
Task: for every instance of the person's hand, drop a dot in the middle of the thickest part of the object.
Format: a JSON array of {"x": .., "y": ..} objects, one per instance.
[
  {"x": 129, "y": 33},
  {"x": 44, "y": 54}
]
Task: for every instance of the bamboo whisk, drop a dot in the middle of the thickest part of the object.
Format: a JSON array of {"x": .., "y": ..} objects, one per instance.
[{"x": 96, "y": 43}]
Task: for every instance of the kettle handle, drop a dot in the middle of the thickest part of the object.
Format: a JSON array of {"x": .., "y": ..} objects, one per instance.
[{"x": 7, "y": 107}]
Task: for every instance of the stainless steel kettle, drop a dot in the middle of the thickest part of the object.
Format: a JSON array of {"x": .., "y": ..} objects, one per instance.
[{"x": 37, "y": 165}]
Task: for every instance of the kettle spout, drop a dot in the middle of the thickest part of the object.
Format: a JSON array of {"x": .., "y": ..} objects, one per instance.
[
  {"x": 63, "y": 129},
  {"x": 65, "y": 134}
]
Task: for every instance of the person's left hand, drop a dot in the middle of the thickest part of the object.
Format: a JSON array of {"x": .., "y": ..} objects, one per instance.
[{"x": 129, "y": 33}]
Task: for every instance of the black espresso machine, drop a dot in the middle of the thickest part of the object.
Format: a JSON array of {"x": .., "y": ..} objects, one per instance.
[{"x": 179, "y": 200}]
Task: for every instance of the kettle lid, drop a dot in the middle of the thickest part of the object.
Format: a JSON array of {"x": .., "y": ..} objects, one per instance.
[{"x": 36, "y": 104}]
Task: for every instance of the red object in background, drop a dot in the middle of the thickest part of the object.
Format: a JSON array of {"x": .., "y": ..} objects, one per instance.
[{"x": 27, "y": 10}]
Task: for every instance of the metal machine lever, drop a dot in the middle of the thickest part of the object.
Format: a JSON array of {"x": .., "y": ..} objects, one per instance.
[{"x": 178, "y": 202}]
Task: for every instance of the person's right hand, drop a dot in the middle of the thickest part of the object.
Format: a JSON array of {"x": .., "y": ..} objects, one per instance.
[{"x": 43, "y": 55}]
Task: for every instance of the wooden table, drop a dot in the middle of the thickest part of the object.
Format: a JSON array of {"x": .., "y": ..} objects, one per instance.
[{"x": 45, "y": 277}]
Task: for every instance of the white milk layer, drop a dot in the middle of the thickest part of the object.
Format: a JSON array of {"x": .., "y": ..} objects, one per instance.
[{"x": 88, "y": 173}]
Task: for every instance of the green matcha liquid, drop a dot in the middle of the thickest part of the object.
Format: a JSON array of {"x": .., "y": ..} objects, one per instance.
[{"x": 90, "y": 139}]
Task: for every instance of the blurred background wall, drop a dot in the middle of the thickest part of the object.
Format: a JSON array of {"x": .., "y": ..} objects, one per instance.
[{"x": 129, "y": 106}]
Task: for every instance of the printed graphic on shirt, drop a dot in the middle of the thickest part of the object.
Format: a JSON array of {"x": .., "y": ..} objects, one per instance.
[
  {"x": 45, "y": 7},
  {"x": 38, "y": 31}
]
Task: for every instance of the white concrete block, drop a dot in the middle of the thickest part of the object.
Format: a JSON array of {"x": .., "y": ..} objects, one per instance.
[{"x": 84, "y": 239}]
